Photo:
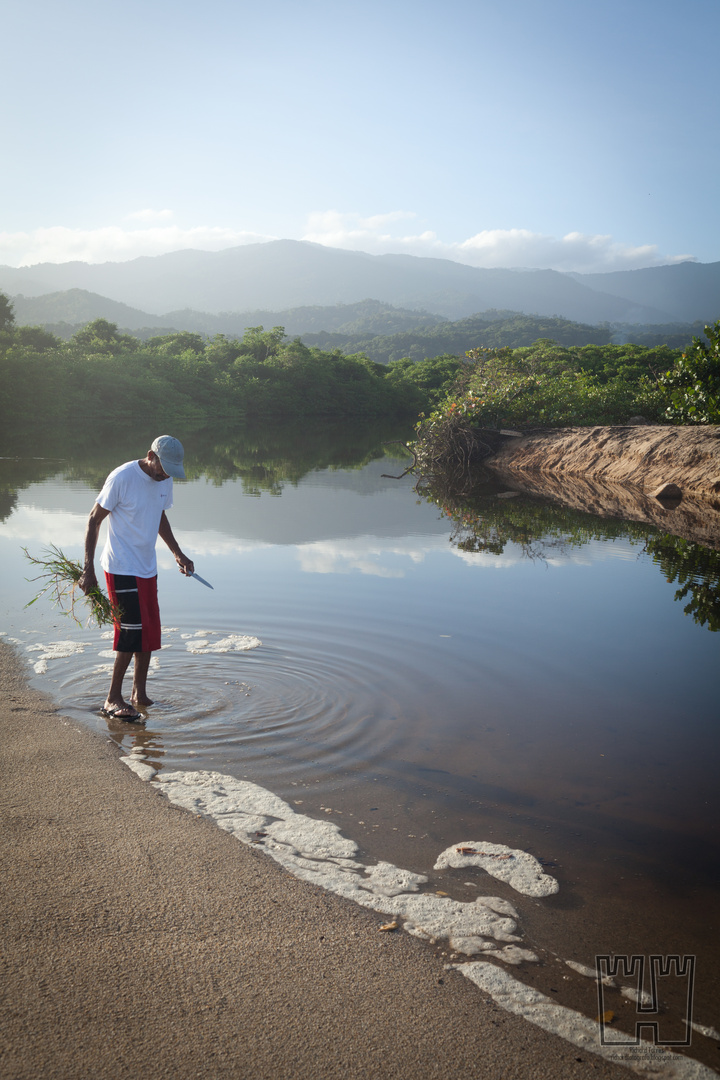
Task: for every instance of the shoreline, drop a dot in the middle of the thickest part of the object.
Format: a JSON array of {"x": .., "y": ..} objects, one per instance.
[
  {"x": 645, "y": 457},
  {"x": 140, "y": 939}
]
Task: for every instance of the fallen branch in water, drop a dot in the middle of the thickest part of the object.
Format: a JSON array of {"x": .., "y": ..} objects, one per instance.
[
  {"x": 396, "y": 442},
  {"x": 62, "y": 576}
]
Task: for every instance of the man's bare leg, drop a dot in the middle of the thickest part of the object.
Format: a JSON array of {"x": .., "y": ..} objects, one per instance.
[
  {"x": 139, "y": 691},
  {"x": 115, "y": 702}
]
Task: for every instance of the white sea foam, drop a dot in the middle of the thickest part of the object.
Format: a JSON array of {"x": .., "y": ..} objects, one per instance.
[
  {"x": 53, "y": 650},
  {"x": 516, "y": 868},
  {"x": 511, "y": 954},
  {"x": 589, "y": 973},
  {"x": 139, "y": 766},
  {"x": 639, "y": 997},
  {"x": 317, "y": 851},
  {"x": 703, "y": 1029},
  {"x": 516, "y": 997},
  {"x": 202, "y": 643}
]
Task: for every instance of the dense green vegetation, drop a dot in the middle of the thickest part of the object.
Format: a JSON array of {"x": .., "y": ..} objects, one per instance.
[
  {"x": 547, "y": 385},
  {"x": 102, "y": 376},
  {"x": 105, "y": 377},
  {"x": 693, "y": 385}
]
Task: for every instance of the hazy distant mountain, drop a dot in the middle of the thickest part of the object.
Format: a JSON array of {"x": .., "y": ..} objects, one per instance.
[
  {"x": 364, "y": 317},
  {"x": 285, "y": 274},
  {"x": 64, "y": 312},
  {"x": 688, "y": 291},
  {"x": 77, "y": 306}
]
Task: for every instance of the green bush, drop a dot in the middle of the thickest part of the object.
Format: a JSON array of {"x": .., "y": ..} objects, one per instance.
[{"x": 692, "y": 387}]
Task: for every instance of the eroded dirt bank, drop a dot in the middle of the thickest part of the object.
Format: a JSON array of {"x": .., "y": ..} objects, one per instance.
[
  {"x": 616, "y": 471},
  {"x": 644, "y": 456}
]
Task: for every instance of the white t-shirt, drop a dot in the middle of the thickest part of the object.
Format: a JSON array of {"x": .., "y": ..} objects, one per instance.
[{"x": 136, "y": 503}]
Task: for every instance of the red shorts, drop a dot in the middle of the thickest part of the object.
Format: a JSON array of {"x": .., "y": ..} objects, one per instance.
[{"x": 139, "y": 627}]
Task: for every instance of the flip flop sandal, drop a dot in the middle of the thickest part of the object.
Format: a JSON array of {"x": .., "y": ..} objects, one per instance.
[{"x": 118, "y": 714}]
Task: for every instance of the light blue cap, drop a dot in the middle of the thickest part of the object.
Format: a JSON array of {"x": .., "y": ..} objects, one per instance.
[{"x": 171, "y": 454}]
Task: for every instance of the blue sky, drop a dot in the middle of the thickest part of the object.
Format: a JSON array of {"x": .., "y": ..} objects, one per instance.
[{"x": 496, "y": 132}]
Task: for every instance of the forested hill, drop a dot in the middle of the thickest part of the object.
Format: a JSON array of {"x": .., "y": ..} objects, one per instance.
[
  {"x": 64, "y": 313},
  {"x": 497, "y": 329},
  {"x": 381, "y": 330},
  {"x": 492, "y": 329}
]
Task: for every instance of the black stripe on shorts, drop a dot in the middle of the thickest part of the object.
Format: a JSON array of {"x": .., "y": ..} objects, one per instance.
[{"x": 130, "y": 639}]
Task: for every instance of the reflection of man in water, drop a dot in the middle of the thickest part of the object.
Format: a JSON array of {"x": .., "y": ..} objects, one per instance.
[{"x": 135, "y": 498}]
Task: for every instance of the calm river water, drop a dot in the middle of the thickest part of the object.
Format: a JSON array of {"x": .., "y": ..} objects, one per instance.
[{"x": 417, "y": 693}]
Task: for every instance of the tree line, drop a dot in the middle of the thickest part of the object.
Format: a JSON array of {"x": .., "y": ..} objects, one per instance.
[{"x": 103, "y": 375}]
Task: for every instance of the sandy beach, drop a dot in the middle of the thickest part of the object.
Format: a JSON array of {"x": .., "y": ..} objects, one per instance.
[{"x": 141, "y": 940}]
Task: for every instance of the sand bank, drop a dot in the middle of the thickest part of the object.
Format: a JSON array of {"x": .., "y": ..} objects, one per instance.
[
  {"x": 644, "y": 456},
  {"x": 141, "y": 940}
]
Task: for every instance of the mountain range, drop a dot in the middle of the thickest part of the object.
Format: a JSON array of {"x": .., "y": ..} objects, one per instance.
[{"x": 226, "y": 287}]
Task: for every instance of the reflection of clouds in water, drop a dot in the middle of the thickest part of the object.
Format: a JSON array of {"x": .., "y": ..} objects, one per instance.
[
  {"x": 510, "y": 557},
  {"x": 35, "y": 524},
  {"x": 364, "y": 554},
  {"x": 209, "y": 543},
  {"x": 554, "y": 554},
  {"x": 30, "y": 524}
]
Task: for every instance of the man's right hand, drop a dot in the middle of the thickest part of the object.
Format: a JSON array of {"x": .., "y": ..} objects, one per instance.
[{"x": 88, "y": 580}]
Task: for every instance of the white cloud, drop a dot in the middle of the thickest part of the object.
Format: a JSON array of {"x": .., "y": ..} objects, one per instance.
[
  {"x": 574, "y": 251},
  {"x": 151, "y": 232},
  {"x": 489, "y": 248},
  {"x": 115, "y": 243}
]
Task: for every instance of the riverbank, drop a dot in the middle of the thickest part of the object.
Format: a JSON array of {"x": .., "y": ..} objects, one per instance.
[
  {"x": 646, "y": 457},
  {"x": 141, "y": 940}
]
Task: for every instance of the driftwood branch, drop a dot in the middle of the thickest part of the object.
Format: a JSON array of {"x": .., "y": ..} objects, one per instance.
[{"x": 397, "y": 442}]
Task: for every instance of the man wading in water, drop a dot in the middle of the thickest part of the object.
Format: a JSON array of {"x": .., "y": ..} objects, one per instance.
[{"x": 135, "y": 498}]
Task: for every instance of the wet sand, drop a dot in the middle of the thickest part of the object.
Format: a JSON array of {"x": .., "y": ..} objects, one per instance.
[{"x": 141, "y": 940}]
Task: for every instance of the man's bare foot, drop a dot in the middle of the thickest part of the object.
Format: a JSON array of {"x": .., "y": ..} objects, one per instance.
[
  {"x": 141, "y": 702},
  {"x": 120, "y": 710}
]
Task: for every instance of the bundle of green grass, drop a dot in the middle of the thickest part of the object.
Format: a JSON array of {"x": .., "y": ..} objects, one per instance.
[{"x": 61, "y": 576}]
